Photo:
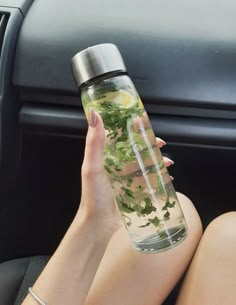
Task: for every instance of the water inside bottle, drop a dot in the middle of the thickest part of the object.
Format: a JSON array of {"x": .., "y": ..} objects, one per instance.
[{"x": 141, "y": 183}]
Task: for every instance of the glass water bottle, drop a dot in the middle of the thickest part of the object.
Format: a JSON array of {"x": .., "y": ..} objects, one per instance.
[{"x": 142, "y": 186}]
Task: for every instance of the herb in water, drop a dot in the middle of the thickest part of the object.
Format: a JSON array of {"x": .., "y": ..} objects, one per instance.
[{"x": 119, "y": 152}]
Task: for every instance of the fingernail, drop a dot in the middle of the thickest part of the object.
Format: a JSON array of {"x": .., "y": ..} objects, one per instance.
[
  {"x": 172, "y": 178},
  {"x": 92, "y": 118},
  {"x": 171, "y": 162},
  {"x": 162, "y": 143}
]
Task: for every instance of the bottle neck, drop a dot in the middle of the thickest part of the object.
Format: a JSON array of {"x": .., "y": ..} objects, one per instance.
[{"x": 102, "y": 77}]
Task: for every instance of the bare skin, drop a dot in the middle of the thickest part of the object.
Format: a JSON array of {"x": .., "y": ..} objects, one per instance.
[
  {"x": 211, "y": 277},
  {"x": 96, "y": 264},
  {"x": 128, "y": 277}
]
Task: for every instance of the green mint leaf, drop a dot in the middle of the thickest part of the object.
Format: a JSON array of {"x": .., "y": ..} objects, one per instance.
[
  {"x": 138, "y": 209},
  {"x": 140, "y": 188},
  {"x": 172, "y": 205},
  {"x": 129, "y": 182},
  {"x": 108, "y": 169},
  {"x": 155, "y": 221},
  {"x": 127, "y": 209},
  {"x": 168, "y": 205},
  {"x": 167, "y": 216},
  {"x": 149, "y": 208},
  {"x": 146, "y": 225},
  {"x": 118, "y": 167},
  {"x": 148, "y": 201},
  {"x": 123, "y": 206},
  {"x": 161, "y": 164},
  {"x": 128, "y": 192},
  {"x": 163, "y": 235}
]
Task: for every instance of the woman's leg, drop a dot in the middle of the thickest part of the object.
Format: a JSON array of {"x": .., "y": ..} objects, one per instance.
[
  {"x": 128, "y": 277},
  {"x": 211, "y": 278}
]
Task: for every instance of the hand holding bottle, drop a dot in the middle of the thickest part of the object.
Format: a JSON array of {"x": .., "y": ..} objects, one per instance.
[{"x": 98, "y": 204}]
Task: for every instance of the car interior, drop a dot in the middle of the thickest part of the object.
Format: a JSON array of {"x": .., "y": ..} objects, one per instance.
[{"x": 181, "y": 58}]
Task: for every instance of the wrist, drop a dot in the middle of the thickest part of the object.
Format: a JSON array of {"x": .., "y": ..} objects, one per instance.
[{"x": 95, "y": 231}]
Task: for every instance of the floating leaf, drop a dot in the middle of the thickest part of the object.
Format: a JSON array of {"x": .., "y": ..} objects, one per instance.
[
  {"x": 167, "y": 216},
  {"x": 146, "y": 225},
  {"x": 109, "y": 161},
  {"x": 149, "y": 208},
  {"x": 168, "y": 205},
  {"x": 163, "y": 235},
  {"x": 161, "y": 164},
  {"x": 155, "y": 221},
  {"x": 129, "y": 182},
  {"x": 108, "y": 169},
  {"x": 138, "y": 209},
  {"x": 128, "y": 192},
  {"x": 140, "y": 188}
]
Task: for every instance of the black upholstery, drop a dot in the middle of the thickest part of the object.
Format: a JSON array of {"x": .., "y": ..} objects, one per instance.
[
  {"x": 11, "y": 275},
  {"x": 17, "y": 276}
]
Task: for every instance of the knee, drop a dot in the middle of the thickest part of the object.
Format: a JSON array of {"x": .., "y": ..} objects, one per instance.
[
  {"x": 192, "y": 218},
  {"x": 220, "y": 234},
  {"x": 223, "y": 226}
]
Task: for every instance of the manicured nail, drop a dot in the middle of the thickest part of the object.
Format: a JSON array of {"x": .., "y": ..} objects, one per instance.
[
  {"x": 92, "y": 118},
  {"x": 162, "y": 143},
  {"x": 172, "y": 178},
  {"x": 170, "y": 162}
]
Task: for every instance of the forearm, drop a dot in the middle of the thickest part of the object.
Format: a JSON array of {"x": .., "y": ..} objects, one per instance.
[{"x": 69, "y": 274}]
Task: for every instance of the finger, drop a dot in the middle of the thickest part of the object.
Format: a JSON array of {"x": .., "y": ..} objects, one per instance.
[
  {"x": 168, "y": 162},
  {"x": 95, "y": 139},
  {"x": 160, "y": 142}
]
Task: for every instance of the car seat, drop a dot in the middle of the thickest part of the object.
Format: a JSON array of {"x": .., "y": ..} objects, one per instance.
[{"x": 17, "y": 276}]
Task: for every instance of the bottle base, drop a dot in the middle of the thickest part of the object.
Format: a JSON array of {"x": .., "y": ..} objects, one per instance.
[{"x": 160, "y": 242}]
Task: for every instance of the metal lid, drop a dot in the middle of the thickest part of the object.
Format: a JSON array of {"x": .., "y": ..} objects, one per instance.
[{"x": 95, "y": 61}]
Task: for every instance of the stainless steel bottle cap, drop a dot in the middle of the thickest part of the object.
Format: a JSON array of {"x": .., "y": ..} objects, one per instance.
[{"x": 95, "y": 61}]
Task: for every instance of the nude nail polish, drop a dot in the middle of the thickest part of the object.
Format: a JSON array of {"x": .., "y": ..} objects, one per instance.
[
  {"x": 170, "y": 161},
  {"x": 92, "y": 118}
]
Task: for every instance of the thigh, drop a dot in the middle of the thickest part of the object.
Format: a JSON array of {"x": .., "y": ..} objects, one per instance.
[
  {"x": 128, "y": 277},
  {"x": 211, "y": 278}
]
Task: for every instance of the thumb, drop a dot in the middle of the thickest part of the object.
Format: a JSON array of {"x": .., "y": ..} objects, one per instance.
[{"x": 95, "y": 140}]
